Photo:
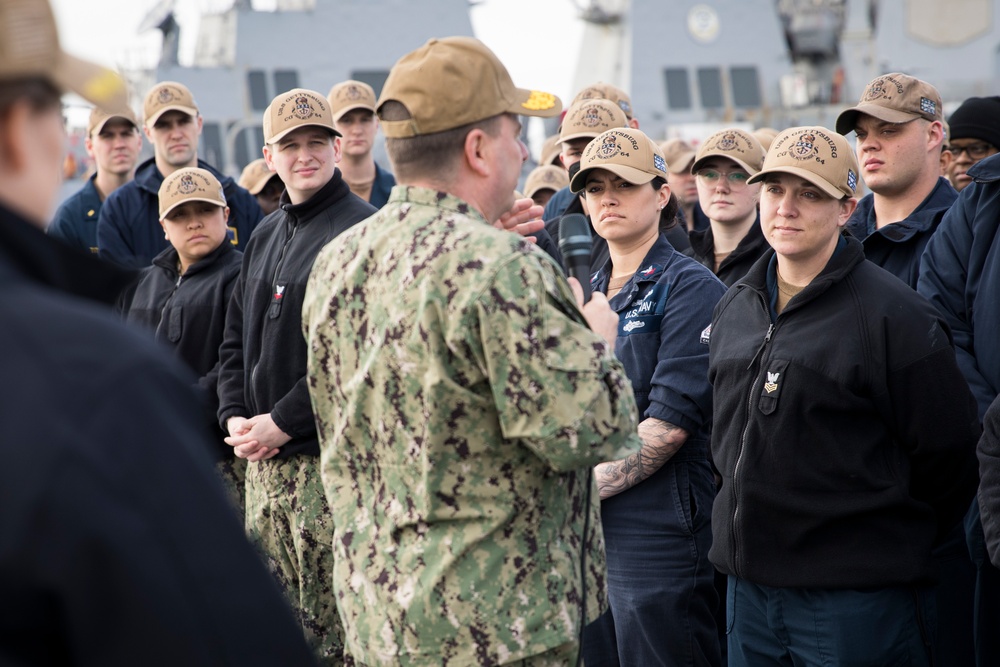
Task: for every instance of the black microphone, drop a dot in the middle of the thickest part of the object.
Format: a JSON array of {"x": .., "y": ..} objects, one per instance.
[{"x": 574, "y": 244}]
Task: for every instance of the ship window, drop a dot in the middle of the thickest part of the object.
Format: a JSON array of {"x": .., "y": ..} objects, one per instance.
[
  {"x": 211, "y": 145},
  {"x": 746, "y": 88},
  {"x": 374, "y": 78},
  {"x": 678, "y": 88},
  {"x": 285, "y": 79},
  {"x": 257, "y": 83},
  {"x": 710, "y": 85}
]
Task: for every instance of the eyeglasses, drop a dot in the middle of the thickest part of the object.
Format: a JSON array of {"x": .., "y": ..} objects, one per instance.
[
  {"x": 975, "y": 151},
  {"x": 735, "y": 179}
]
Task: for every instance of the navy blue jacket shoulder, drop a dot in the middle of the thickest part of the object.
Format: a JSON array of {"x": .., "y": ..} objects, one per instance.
[
  {"x": 75, "y": 221},
  {"x": 897, "y": 247},
  {"x": 114, "y": 534},
  {"x": 129, "y": 232},
  {"x": 960, "y": 274},
  {"x": 843, "y": 431},
  {"x": 263, "y": 353},
  {"x": 384, "y": 180}
]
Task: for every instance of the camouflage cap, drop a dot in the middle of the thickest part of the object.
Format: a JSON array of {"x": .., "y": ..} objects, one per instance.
[
  {"x": 255, "y": 176},
  {"x": 167, "y": 96},
  {"x": 99, "y": 117},
  {"x": 738, "y": 145},
  {"x": 296, "y": 108},
  {"x": 29, "y": 47},
  {"x": 454, "y": 81},
  {"x": 605, "y": 91},
  {"x": 894, "y": 98},
  {"x": 545, "y": 177},
  {"x": 816, "y": 154},
  {"x": 588, "y": 118},
  {"x": 350, "y": 95},
  {"x": 189, "y": 184},
  {"x": 679, "y": 155},
  {"x": 624, "y": 152}
]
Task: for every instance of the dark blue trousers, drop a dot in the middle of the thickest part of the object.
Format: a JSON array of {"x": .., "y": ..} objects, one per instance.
[
  {"x": 987, "y": 598},
  {"x": 805, "y": 627},
  {"x": 660, "y": 583}
]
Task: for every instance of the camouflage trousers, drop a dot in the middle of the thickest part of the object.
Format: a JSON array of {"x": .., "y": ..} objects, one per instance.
[
  {"x": 560, "y": 656},
  {"x": 288, "y": 518},
  {"x": 233, "y": 471}
]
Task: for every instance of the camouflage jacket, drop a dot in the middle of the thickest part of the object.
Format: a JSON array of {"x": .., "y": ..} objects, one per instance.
[{"x": 460, "y": 400}]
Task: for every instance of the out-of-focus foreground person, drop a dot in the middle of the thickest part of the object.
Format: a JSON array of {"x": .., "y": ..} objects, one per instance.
[{"x": 117, "y": 545}]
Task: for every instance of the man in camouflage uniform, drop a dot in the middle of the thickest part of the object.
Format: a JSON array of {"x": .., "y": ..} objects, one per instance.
[{"x": 460, "y": 396}]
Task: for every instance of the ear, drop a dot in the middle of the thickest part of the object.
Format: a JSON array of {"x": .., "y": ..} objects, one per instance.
[
  {"x": 14, "y": 137},
  {"x": 268, "y": 158},
  {"x": 662, "y": 196},
  {"x": 225, "y": 214},
  {"x": 634, "y": 123},
  {"x": 201, "y": 122},
  {"x": 164, "y": 226},
  {"x": 88, "y": 143},
  {"x": 846, "y": 211},
  {"x": 477, "y": 149},
  {"x": 337, "y": 150},
  {"x": 148, "y": 132},
  {"x": 936, "y": 135}
]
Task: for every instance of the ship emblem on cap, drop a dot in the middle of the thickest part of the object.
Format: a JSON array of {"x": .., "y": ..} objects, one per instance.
[
  {"x": 165, "y": 95},
  {"x": 591, "y": 117},
  {"x": 609, "y": 148},
  {"x": 804, "y": 148},
  {"x": 353, "y": 93},
  {"x": 728, "y": 141},
  {"x": 302, "y": 109},
  {"x": 549, "y": 177},
  {"x": 187, "y": 185}
]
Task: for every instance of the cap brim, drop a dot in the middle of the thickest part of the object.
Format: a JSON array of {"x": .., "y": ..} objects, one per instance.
[
  {"x": 535, "y": 103},
  {"x": 100, "y": 126},
  {"x": 728, "y": 156},
  {"x": 259, "y": 184},
  {"x": 98, "y": 85},
  {"x": 151, "y": 121},
  {"x": 820, "y": 182},
  {"x": 630, "y": 174},
  {"x": 340, "y": 114},
  {"x": 847, "y": 120},
  {"x": 685, "y": 160},
  {"x": 184, "y": 201},
  {"x": 289, "y": 130}
]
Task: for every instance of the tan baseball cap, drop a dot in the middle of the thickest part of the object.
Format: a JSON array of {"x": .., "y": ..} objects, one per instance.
[
  {"x": 255, "y": 176},
  {"x": 546, "y": 177},
  {"x": 605, "y": 91},
  {"x": 679, "y": 155},
  {"x": 350, "y": 95},
  {"x": 29, "y": 47},
  {"x": 738, "y": 145},
  {"x": 550, "y": 151},
  {"x": 189, "y": 184},
  {"x": 454, "y": 81},
  {"x": 99, "y": 118},
  {"x": 624, "y": 152},
  {"x": 296, "y": 108},
  {"x": 588, "y": 118},
  {"x": 167, "y": 96},
  {"x": 894, "y": 98},
  {"x": 820, "y": 156},
  {"x": 765, "y": 135}
]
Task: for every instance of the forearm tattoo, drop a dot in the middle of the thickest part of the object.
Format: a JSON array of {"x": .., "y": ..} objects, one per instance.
[{"x": 660, "y": 441}]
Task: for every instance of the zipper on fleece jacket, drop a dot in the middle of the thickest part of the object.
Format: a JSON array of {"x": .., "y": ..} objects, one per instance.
[
  {"x": 743, "y": 439},
  {"x": 166, "y": 304},
  {"x": 275, "y": 297}
]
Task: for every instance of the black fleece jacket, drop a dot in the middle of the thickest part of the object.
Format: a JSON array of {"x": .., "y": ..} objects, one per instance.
[
  {"x": 263, "y": 352},
  {"x": 844, "y": 431}
]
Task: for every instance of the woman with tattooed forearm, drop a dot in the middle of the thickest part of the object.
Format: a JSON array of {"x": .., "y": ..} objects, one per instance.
[{"x": 656, "y": 503}]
